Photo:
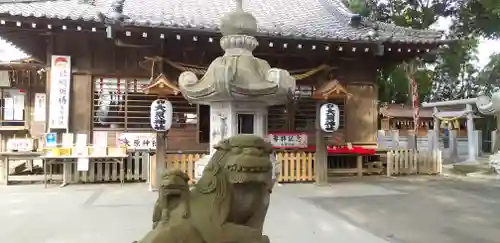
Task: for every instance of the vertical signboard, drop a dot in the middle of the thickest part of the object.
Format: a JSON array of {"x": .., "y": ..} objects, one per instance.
[
  {"x": 60, "y": 84},
  {"x": 39, "y": 115}
]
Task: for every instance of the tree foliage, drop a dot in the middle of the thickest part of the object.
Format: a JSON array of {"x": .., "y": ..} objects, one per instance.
[{"x": 454, "y": 74}]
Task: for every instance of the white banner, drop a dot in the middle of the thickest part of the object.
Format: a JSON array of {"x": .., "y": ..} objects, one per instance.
[
  {"x": 288, "y": 140},
  {"x": 60, "y": 85},
  {"x": 40, "y": 104},
  {"x": 137, "y": 140}
]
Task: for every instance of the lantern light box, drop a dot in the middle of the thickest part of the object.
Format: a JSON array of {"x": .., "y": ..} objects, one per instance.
[
  {"x": 329, "y": 117},
  {"x": 161, "y": 115}
]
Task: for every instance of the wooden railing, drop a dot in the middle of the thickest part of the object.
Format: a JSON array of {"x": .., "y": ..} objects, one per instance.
[
  {"x": 135, "y": 169},
  {"x": 184, "y": 162},
  {"x": 295, "y": 166},
  {"x": 299, "y": 166},
  {"x": 408, "y": 162}
]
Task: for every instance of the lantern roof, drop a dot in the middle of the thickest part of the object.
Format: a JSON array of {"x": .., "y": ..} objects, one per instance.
[
  {"x": 161, "y": 86},
  {"x": 330, "y": 90}
]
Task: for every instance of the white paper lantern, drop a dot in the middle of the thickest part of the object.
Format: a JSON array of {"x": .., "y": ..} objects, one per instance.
[
  {"x": 161, "y": 115},
  {"x": 329, "y": 117}
]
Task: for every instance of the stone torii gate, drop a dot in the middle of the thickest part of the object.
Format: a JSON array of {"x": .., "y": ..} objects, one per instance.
[{"x": 472, "y": 153}]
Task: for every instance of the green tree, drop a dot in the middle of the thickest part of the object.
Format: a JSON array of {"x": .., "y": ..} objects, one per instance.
[
  {"x": 489, "y": 77},
  {"x": 453, "y": 75},
  {"x": 478, "y": 18}
]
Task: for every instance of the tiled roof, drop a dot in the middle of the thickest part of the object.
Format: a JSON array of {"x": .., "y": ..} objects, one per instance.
[
  {"x": 403, "y": 111},
  {"x": 406, "y": 111},
  {"x": 324, "y": 19}
]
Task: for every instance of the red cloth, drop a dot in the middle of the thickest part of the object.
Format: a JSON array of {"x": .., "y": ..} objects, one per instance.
[{"x": 346, "y": 150}]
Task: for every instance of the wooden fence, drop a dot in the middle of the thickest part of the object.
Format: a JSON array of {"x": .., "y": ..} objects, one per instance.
[
  {"x": 299, "y": 166},
  {"x": 295, "y": 166},
  {"x": 184, "y": 162},
  {"x": 410, "y": 162},
  {"x": 135, "y": 169}
]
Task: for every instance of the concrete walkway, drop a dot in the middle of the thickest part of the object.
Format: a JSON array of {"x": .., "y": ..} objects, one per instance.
[{"x": 114, "y": 214}]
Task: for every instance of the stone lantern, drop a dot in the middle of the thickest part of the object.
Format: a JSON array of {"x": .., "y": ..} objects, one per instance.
[{"x": 238, "y": 86}]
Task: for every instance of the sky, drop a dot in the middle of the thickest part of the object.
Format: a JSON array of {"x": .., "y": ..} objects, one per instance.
[{"x": 485, "y": 49}]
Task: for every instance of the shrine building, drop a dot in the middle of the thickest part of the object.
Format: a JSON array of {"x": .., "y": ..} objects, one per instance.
[{"x": 117, "y": 48}]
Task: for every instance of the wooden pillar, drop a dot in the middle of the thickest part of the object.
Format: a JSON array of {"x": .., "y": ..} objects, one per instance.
[
  {"x": 48, "y": 59},
  {"x": 321, "y": 155},
  {"x": 160, "y": 157},
  {"x": 359, "y": 165}
]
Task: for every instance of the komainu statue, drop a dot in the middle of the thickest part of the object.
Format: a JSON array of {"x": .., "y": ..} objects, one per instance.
[
  {"x": 227, "y": 205},
  {"x": 173, "y": 193}
]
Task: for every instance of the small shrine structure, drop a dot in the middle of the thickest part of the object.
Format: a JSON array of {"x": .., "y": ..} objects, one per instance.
[
  {"x": 238, "y": 86},
  {"x": 468, "y": 113}
]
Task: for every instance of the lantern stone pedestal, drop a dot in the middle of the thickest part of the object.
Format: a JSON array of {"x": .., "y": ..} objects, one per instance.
[{"x": 238, "y": 86}]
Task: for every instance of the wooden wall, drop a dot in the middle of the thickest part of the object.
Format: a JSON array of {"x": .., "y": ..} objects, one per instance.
[
  {"x": 31, "y": 83},
  {"x": 96, "y": 56},
  {"x": 362, "y": 107}
]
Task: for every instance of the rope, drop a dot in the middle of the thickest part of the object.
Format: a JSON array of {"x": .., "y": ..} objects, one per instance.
[
  {"x": 200, "y": 70},
  {"x": 448, "y": 119}
]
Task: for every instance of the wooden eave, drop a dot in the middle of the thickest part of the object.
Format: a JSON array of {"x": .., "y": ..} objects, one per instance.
[
  {"x": 161, "y": 86},
  {"x": 331, "y": 90},
  {"x": 20, "y": 66}
]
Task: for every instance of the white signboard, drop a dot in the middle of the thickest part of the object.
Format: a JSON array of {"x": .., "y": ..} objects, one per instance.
[
  {"x": 82, "y": 164},
  {"x": 4, "y": 79},
  {"x": 68, "y": 140},
  {"x": 40, "y": 100},
  {"x": 8, "y": 110},
  {"x": 329, "y": 117},
  {"x": 137, "y": 140},
  {"x": 20, "y": 144},
  {"x": 161, "y": 115},
  {"x": 19, "y": 107},
  {"x": 100, "y": 138},
  {"x": 81, "y": 139},
  {"x": 288, "y": 140},
  {"x": 60, "y": 85}
]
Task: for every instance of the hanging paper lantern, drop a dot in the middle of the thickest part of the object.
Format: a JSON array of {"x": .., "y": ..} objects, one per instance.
[
  {"x": 161, "y": 115},
  {"x": 329, "y": 117}
]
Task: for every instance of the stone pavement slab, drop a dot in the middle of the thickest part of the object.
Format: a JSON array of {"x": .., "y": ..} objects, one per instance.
[
  {"x": 426, "y": 209},
  {"x": 114, "y": 214}
]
